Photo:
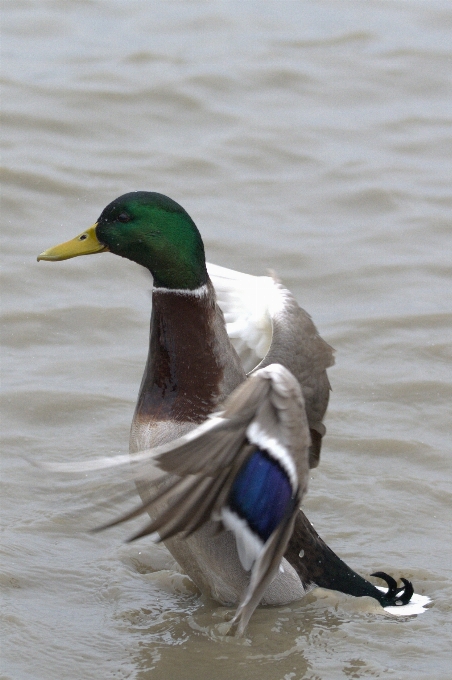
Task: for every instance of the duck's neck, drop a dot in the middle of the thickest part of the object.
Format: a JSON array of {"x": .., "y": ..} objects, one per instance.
[{"x": 191, "y": 365}]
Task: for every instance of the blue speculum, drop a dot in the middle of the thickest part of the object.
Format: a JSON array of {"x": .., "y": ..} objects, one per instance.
[{"x": 261, "y": 493}]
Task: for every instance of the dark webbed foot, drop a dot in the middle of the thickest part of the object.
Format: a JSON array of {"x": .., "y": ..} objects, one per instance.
[{"x": 395, "y": 596}]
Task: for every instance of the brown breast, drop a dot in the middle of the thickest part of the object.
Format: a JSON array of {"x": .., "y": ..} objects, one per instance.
[{"x": 191, "y": 365}]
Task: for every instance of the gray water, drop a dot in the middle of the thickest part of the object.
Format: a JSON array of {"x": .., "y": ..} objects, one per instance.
[{"x": 312, "y": 138}]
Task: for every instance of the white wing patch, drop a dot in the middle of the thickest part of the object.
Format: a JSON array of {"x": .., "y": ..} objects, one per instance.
[
  {"x": 249, "y": 546},
  {"x": 278, "y": 451},
  {"x": 248, "y": 304}
]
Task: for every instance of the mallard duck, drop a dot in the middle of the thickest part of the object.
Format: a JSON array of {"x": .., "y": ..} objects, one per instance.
[{"x": 229, "y": 416}]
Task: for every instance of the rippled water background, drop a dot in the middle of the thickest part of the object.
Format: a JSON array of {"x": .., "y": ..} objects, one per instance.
[{"x": 309, "y": 137}]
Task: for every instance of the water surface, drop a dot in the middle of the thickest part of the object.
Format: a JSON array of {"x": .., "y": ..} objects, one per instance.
[{"x": 312, "y": 138}]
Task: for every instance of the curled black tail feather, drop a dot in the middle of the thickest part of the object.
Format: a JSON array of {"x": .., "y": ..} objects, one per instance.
[
  {"x": 392, "y": 583},
  {"x": 395, "y": 596},
  {"x": 317, "y": 565}
]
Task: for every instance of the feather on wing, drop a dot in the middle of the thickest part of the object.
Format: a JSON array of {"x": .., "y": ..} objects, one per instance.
[
  {"x": 264, "y": 416},
  {"x": 267, "y": 326}
]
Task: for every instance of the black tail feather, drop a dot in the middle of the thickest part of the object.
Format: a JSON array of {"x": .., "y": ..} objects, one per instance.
[
  {"x": 392, "y": 583},
  {"x": 318, "y": 565},
  {"x": 396, "y": 596}
]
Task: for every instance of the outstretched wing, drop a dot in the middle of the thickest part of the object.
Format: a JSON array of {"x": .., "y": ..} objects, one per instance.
[
  {"x": 266, "y": 326},
  {"x": 246, "y": 466}
]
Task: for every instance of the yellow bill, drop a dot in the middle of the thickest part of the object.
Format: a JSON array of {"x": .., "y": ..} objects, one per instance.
[{"x": 86, "y": 243}]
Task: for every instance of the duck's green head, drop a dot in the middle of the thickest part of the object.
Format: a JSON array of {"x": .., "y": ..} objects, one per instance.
[{"x": 150, "y": 229}]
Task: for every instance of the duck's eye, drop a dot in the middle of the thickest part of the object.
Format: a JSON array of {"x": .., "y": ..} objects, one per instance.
[{"x": 124, "y": 217}]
